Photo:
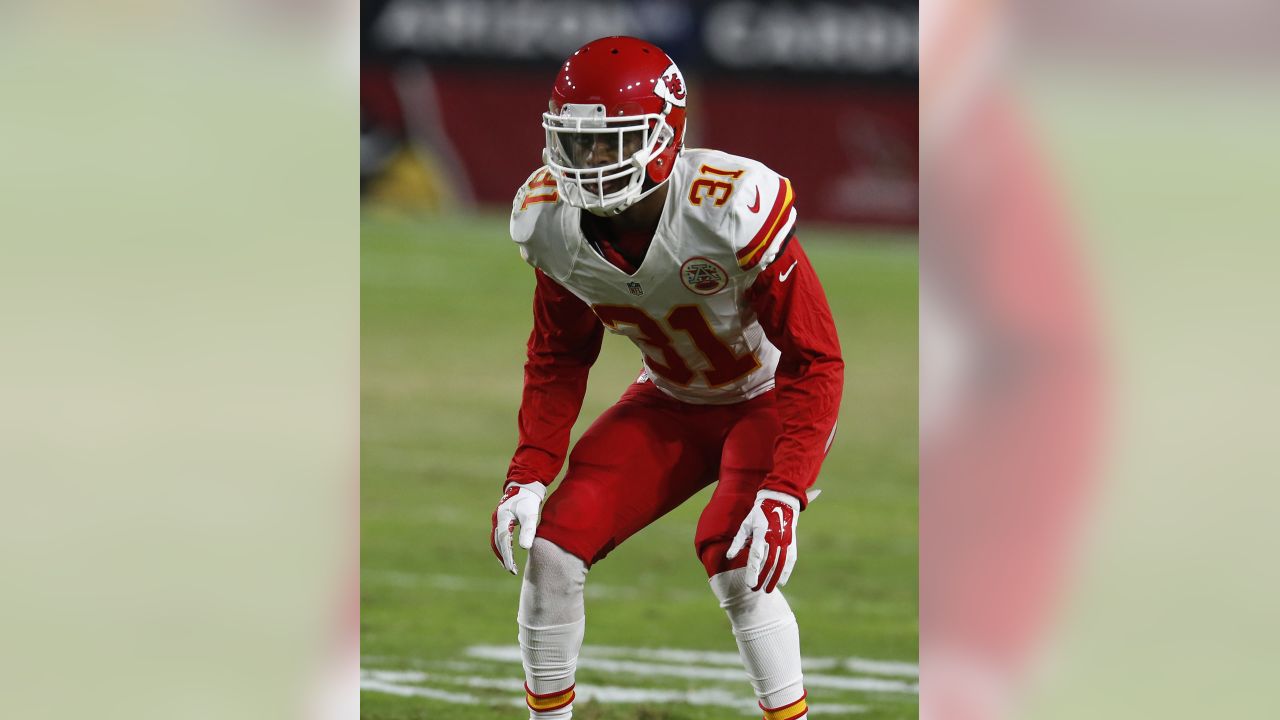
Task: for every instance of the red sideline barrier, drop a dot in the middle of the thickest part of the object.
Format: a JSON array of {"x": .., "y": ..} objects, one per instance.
[{"x": 851, "y": 154}]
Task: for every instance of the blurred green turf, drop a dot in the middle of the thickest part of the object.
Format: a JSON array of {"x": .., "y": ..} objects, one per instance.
[{"x": 445, "y": 314}]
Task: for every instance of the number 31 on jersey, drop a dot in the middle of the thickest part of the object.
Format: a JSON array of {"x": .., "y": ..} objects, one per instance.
[
  {"x": 540, "y": 182},
  {"x": 724, "y": 366},
  {"x": 707, "y": 186}
]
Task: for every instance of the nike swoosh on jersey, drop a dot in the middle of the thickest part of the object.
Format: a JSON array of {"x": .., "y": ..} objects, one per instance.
[
  {"x": 782, "y": 277},
  {"x": 755, "y": 207}
]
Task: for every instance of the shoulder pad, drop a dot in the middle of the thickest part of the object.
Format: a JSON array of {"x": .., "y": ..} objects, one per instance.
[
  {"x": 536, "y": 220},
  {"x": 747, "y": 203}
]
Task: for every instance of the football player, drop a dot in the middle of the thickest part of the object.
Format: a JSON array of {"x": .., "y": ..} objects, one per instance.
[{"x": 692, "y": 255}]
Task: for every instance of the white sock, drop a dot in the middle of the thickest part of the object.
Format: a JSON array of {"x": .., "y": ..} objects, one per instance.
[
  {"x": 769, "y": 642},
  {"x": 551, "y": 620}
]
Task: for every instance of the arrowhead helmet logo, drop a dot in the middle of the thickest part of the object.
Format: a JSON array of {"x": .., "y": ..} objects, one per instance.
[
  {"x": 671, "y": 86},
  {"x": 675, "y": 85}
]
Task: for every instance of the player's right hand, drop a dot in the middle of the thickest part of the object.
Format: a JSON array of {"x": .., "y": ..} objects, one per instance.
[{"x": 519, "y": 506}]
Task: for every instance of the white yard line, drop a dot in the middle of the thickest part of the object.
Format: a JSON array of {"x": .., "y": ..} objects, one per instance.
[
  {"x": 415, "y": 691},
  {"x": 511, "y": 653},
  {"x": 882, "y": 667},
  {"x": 712, "y": 657},
  {"x": 632, "y": 663},
  {"x": 391, "y": 681}
]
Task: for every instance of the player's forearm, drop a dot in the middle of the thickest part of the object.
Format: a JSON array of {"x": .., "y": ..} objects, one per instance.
[
  {"x": 550, "y": 405},
  {"x": 563, "y": 346},
  {"x": 792, "y": 308},
  {"x": 808, "y": 401}
]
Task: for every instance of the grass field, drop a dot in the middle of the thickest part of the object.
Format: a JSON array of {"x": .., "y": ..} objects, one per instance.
[{"x": 445, "y": 314}]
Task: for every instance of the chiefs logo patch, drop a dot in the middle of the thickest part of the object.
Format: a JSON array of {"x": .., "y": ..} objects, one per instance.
[{"x": 703, "y": 276}]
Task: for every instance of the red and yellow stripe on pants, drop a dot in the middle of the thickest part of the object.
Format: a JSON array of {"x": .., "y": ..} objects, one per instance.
[
  {"x": 796, "y": 709},
  {"x": 550, "y": 701}
]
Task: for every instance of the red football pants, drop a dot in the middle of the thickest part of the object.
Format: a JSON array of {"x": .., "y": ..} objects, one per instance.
[{"x": 648, "y": 454}]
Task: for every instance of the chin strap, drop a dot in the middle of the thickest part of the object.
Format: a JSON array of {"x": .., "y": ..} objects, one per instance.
[{"x": 645, "y": 171}]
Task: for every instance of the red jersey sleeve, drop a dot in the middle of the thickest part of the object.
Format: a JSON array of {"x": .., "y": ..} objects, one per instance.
[
  {"x": 792, "y": 308},
  {"x": 563, "y": 346}
]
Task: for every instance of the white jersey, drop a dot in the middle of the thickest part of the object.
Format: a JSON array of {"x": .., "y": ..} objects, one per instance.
[{"x": 685, "y": 307}]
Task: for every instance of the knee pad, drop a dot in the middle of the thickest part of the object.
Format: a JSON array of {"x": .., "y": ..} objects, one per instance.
[
  {"x": 552, "y": 590},
  {"x": 749, "y": 611}
]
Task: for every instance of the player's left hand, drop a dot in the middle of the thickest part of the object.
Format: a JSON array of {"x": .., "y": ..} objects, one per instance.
[
  {"x": 519, "y": 506},
  {"x": 771, "y": 528}
]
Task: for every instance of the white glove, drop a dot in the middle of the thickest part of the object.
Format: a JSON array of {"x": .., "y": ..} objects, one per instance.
[
  {"x": 519, "y": 505},
  {"x": 771, "y": 529}
]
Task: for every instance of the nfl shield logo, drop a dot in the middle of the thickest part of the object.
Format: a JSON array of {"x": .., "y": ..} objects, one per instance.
[{"x": 634, "y": 288}]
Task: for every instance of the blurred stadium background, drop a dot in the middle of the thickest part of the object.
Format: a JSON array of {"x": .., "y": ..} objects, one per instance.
[
  {"x": 180, "y": 350},
  {"x": 451, "y": 91},
  {"x": 824, "y": 91}
]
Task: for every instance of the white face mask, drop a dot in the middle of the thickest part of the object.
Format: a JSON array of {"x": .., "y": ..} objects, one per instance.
[{"x": 600, "y": 162}]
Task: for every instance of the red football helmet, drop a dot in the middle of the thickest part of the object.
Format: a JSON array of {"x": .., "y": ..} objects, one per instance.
[{"x": 616, "y": 119}]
